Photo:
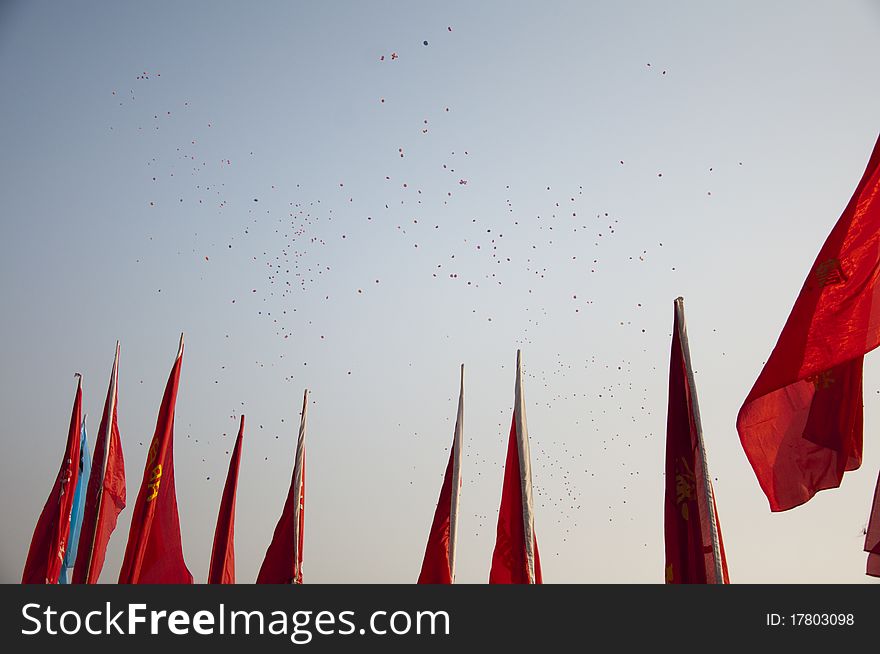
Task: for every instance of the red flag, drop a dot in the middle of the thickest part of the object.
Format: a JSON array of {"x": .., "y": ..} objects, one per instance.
[
  {"x": 283, "y": 562},
  {"x": 154, "y": 553},
  {"x": 105, "y": 494},
  {"x": 515, "y": 559},
  {"x": 222, "y": 569},
  {"x": 438, "y": 566},
  {"x": 694, "y": 551},
  {"x": 801, "y": 424},
  {"x": 872, "y": 536},
  {"x": 49, "y": 541}
]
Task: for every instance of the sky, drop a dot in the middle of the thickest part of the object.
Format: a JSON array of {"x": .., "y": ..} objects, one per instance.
[{"x": 356, "y": 198}]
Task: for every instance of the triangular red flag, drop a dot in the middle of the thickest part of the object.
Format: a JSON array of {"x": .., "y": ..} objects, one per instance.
[
  {"x": 222, "y": 570},
  {"x": 154, "y": 553},
  {"x": 516, "y": 559},
  {"x": 283, "y": 562},
  {"x": 694, "y": 551},
  {"x": 49, "y": 542},
  {"x": 438, "y": 566},
  {"x": 872, "y": 535},
  {"x": 105, "y": 494}
]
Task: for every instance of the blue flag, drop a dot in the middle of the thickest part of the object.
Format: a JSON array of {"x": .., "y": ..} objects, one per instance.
[{"x": 79, "y": 505}]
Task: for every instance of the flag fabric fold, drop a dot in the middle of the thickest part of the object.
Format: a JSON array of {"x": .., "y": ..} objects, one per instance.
[
  {"x": 283, "y": 561},
  {"x": 694, "y": 549},
  {"x": 515, "y": 559},
  {"x": 222, "y": 570},
  {"x": 76, "y": 513},
  {"x": 801, "y": 424},
  {"x": 438, "y": 565},
  {"x": 49, "y": 541},
  {"x": 154, "y": 553},
  {"x": 105, "y": 494}
]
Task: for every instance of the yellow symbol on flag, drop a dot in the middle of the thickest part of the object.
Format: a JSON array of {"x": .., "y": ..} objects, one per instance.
[
  {"x": 685, "y": 482},
  {"x": 830, "y": 272},
  {"x": 821, "y": 379},
  {"x": 153, "y": 482},
  {"x": 155, "y": 477},
  {"x": 669, "y": 576}
]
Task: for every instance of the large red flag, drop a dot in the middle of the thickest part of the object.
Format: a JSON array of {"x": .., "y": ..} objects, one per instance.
[
  {"x": 283, "y": 562},
  {"x": 516, "y": 559},
  {"x": 694, "y": 551},
  {"x": 801, "y": 424},
  {"x": 222, "y": 570},
  {"x": 105, "y": 494},
  {"x": 154, "y": 553},
  {"x": 49, "y": 541},
  {"x": 438, "y": 566}
]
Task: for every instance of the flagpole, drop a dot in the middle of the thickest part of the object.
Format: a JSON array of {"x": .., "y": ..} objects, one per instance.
[
  {"x": 297, "y": 482},
  {"x": 66, "y": 519},
  {"x": 525, "y": 471},
  {"x": 108, "y": 430},
  {"x": 695, "y": 407},
  {"x": 67, "y": 571},
  {"x": 456, "y": 477}
]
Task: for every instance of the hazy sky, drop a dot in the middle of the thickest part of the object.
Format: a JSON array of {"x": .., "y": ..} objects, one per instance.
[{"x": 546, "y": 176}]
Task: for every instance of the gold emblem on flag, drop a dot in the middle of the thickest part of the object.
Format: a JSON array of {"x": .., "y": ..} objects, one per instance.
[
  {"x": 155, "y": 477},
  {"x": 153, "y": 483},
  {"x": 829, "y": 273},
  {"x": 821, "y": 380},
  {"x": 685, "y": 483}
]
